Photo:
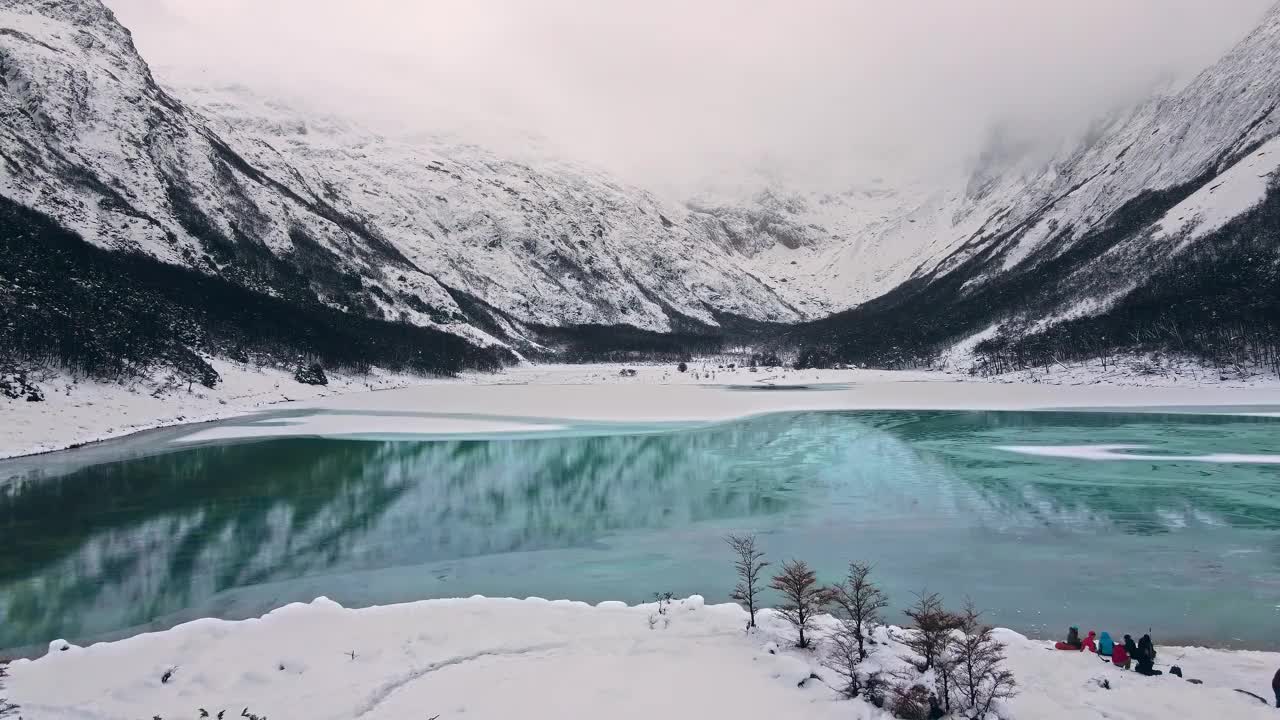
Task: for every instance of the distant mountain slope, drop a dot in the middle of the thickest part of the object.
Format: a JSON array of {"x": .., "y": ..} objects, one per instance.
[{"x": 1179, "y": 179}]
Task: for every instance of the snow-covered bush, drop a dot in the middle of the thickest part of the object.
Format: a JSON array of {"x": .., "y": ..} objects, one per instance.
[
  {"x": 663, "y": 616},
  {"x": 311, "y": 374},
  {"x": 6, "y": 707},
  {"x": 912, "y": 702},
  {"x": 15, "y": 384}
]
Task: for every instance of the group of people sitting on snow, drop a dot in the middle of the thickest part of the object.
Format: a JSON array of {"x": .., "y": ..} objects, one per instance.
[{"x": 1122, "y": 655}]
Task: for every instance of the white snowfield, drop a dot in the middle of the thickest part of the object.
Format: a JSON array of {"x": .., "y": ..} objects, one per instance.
[
  {"x": 485, "y": 658},
  {"x": 546, "y": 398}
]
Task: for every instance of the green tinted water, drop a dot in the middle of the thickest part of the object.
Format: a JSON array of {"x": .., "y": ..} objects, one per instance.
[{"x": 1188, "y": 548}]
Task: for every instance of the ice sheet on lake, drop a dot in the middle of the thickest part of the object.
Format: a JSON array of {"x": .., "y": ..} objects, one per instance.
[
  {"x": 339, "y": 425},
  {"x": 1130, "y": 452}
]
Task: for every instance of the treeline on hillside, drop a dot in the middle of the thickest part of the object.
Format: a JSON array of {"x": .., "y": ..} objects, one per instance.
[
  {"x": 117, "y": 314},
  {"x": 1218, "y": 300},
  {"x": 687, "y": 339}
]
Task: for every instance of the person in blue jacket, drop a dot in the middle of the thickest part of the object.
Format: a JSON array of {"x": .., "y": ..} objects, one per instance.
[{"x": 1105, "y": 644}]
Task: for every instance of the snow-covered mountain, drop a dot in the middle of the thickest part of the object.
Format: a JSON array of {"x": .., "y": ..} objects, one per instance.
[
  {"x": 231, "y": 184},
  {"x": 1175, "y": 193},
  {"x": 228, "y": 182},
  {"x": 445, "y": 235},
  {"x": 90, "y": 140}
]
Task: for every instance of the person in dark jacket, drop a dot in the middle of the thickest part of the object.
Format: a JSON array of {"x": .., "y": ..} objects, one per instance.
[
  {"x": 1275, "y": 685},
  {"x": 1146, "y": 657},
  {"x": 1131, "y": 647},
  {"x": 1146, "y": 648},
  {"x": 1073, "y": 637}
]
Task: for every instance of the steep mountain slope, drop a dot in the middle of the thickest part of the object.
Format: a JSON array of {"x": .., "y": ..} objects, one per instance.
[
  {"x": 90, "y": 145},
  {"x": 1079, "y": 236},
  {"x": 90, "y": 140}
]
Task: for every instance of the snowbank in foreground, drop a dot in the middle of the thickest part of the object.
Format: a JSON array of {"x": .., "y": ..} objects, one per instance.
[
  {"x": 530, "y": 659},
  {"x": 524, "y": 399}
]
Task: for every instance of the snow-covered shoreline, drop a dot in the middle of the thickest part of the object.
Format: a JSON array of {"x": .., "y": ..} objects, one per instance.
[
  {"x": 530, "y": 397},
  {"x": 505, "y": 658}
]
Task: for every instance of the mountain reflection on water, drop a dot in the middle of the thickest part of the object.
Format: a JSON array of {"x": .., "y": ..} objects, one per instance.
[{"x": 233, "y": 530}]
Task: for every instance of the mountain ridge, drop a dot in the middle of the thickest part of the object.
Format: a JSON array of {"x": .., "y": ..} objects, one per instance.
[{"x": 563, "y": 260}]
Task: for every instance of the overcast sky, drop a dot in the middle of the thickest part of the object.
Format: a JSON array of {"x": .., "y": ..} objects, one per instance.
[{"x": 675, "y": 92}]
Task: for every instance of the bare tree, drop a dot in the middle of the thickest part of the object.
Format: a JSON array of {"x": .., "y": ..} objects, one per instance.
[
  {"x": 979, "y": 657},
  {"x": 945, "y": 681},
  {"x": 844, "y": 659},
  {"x": 802, "y": 597},
  {"x": 749, "y": 564},
  {"x": 932, "y": 631},
  {"x": 858, "y": 603}
]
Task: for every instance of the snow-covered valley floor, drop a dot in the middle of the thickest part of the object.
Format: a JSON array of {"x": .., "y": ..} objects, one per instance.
[
  {"x": 531, "y": 659},
  {"x": 533, "y": 397}
]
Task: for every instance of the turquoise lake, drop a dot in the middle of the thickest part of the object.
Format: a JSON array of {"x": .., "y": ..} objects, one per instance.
[{"x": 1181, "y": 537}]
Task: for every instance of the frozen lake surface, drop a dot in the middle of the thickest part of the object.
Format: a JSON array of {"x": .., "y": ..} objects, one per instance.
[{"x": 1116, "y": 521}]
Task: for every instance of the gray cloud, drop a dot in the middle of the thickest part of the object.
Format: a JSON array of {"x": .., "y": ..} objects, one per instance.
[{"x": 676, "y": 93}]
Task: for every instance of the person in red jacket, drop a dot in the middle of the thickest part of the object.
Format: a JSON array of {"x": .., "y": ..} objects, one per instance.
[
  {"x": 1089, "y": 644},
  {"x": 1120, "y": 656}
]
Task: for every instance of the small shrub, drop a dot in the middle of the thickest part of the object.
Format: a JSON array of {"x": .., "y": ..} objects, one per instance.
[
  {"x": 683, "y": 367},
  {"x": 802, "y": 597},
  {"x": 858, "y": 603},
  {"x": 816, "y": 359},
  {"x": 979, "y": 658},
  {"x": 844, "y": 660},
  {"x": 16, "y": 384},
  {"x": 910, "y": 702},
  {"x": 874, "y": 689},
  {"x": 932, "y": 630},
  {"x": 311, "y": 374},
  {"x": 664, "y": 609}
]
